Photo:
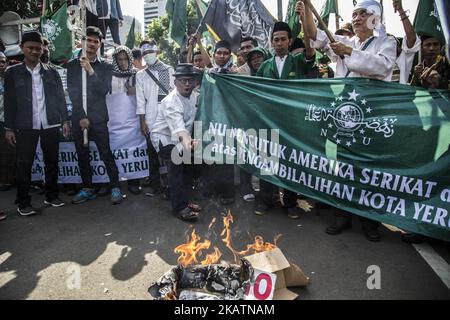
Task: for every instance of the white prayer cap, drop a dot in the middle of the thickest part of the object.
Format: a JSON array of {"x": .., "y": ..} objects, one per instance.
[{"x": 372, "y": 6}]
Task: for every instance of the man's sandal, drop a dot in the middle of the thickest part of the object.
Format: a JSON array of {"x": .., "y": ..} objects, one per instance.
[{"x": 187, "y": 214}]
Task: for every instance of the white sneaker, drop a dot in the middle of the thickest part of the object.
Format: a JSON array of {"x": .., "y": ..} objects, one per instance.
[{"x": 249, "y": 197}]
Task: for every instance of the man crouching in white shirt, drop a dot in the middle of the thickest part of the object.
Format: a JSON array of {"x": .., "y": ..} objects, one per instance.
[{"x": 172, "y": 136}]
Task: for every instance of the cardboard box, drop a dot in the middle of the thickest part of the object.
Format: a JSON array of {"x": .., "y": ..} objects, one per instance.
[{"x": 288, "y": 275}]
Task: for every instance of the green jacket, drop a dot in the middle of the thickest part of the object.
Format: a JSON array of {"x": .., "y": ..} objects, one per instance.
[{"x": 295, "y": 67}]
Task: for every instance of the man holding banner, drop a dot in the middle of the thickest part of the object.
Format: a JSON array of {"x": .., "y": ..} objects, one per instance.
[
  {"x": 367, "y": 55},
  {"x": 95, "y": 120},
  {"x": 283, "y": 65}
]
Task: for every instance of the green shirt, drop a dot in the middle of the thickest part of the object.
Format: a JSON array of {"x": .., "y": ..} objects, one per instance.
[{"x": 295, "y": 67}]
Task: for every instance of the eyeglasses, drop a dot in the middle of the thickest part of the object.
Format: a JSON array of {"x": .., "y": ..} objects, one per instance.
[{"x": 187, "y": 80}]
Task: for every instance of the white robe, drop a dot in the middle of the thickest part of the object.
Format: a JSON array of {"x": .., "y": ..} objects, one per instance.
[
  {"x": 147, "y": 95},
  {"x": 406, "y": 59},
  {"x": 376, "y": 62}
]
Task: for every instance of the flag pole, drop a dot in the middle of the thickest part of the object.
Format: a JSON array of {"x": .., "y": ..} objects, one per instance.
[
  {"x": 203, "y": 18},
  {"x": 336, "y": 13},
  {"x": 83, "y": 71},
  {"x": 44, "y": 6},
  {"x": 280, "y": 10},
  {"x": 322, "y": 24}
]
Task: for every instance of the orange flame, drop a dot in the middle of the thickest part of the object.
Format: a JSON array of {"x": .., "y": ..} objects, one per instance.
[
  {"x": 212, "y": 257},
  {"x": 259, "y": 245},
  {"x": 226, "y": 233},
  {"x": 193, "y": 248},
  {"x": 189, "y": 251}
]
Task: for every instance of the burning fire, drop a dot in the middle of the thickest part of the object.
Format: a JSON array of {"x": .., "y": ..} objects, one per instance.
[
  {"x": 193, "y": 248},
  {"x": 189, "y": 251}
]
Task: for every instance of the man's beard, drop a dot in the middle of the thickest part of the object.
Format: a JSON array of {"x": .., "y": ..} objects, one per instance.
[{"x": 45, "y": 58}]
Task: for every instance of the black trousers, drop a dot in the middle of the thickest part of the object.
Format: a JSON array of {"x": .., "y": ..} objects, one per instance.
[
  {"x": 366, "y": 223},
  {"x": 99, "y": 134},
  {"x": 246, "y": 182},
  {"x": 267, "y": 191},
  {"x": 153, "y": 166},
  {"x": 113, "y": 25},
  {"x": 175, "y": 175},
  {"x": 27, "y": 141},
  {"x": 221, "y": 179}
]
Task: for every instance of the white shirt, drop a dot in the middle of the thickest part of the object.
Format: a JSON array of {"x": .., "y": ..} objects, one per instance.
[
  {"x": 91, "y": 6},
  {"x": 280, "y": 64},
  {"x": 406, "y": 58},
  {"x": 375, "y": 62},
  {"x": 175, "y": 114},
  {"x": 108, "y": 14},
  {"x": 244, "y": 70},
  {"x": 147, "y": 95},
  {"x": 118, "y": 85},
  {"x": 39, "y": 113}
]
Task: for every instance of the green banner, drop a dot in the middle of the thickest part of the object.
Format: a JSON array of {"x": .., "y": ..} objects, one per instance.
[
  {"x": 292, "y": 19},
  {"x": 177, "y": 12},
  {"x": 427, "y": 21},
  {"x": 376, "y": 149},
  {"x": 55, "y": 28}
]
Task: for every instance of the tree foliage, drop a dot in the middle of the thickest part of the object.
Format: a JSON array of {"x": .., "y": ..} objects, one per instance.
[
  {"x": 158, "y": 30},
  {"x": 24, "y": 8}
]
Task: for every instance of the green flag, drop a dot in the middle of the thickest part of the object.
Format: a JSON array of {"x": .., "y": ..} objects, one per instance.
[
  {"x": 177, "y": 12},
  {"x": 373, "y": 148},
  {"x": 426, "y": 22},
  {"x": 54, "y": 28},
  {"x": 329, "y": 7},
  {"x": 292, "y": 18},
  {"x": 131, "y": 38}
]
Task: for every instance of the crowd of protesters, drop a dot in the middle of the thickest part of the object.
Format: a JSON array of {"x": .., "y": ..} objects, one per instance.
[{"x": 165, "y": 99}]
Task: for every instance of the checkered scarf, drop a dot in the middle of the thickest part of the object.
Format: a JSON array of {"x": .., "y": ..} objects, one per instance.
[{"x": 163, "y": 76}]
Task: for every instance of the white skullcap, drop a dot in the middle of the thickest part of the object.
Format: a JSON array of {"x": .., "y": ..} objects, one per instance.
[{"x": 372, "y": 6}]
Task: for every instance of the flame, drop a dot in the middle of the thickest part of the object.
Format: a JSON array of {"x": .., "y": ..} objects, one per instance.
[
  {"x": 191, "y": 251},
  {"x": 212, "y": 257},
  {"x": 226, "y": 233},
  {"x": 259, "y": 245},
  {"x": 213, "y": 221}
]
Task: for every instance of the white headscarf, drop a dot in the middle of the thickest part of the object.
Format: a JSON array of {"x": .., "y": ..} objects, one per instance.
[{"x": 373, "y": 7}]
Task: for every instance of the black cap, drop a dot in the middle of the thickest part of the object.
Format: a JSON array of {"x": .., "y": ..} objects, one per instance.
[
  {"x": 282, "y": 26},
  {"x": 222, "y": 44},
  {"x": 186, "y": 70},
  {"x": 34, "y": 36}
]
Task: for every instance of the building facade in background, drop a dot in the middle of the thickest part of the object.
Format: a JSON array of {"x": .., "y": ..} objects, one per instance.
[{"x": 153, "y": 9}]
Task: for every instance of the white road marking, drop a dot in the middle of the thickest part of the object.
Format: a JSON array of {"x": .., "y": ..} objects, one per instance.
[{"x": 436, "y": 262}]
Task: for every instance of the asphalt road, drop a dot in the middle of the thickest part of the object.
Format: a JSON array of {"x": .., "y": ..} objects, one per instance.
[{"x": 99, "y": 251}]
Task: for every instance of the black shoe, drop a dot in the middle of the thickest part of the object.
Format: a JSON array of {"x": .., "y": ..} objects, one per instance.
[
  {"x": 134, "y": 189},
  {"x": 225, "y": 201},
  {"x": 26, "y": 210},
  {"x": 187, "y": 214},
  {"x": 413, "y": 238},
  {"x": 54, "y": 203},
  {"x": 372, "y": 234},
  {"x": 293, "y": 213},
  {"x": 340, "y": 224},
  {"x": 102, "y": 191},
  {"x": 154, "y": 192},
  {"x": 5, "y": 187},
  {"x": 261, "y": 208}
]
